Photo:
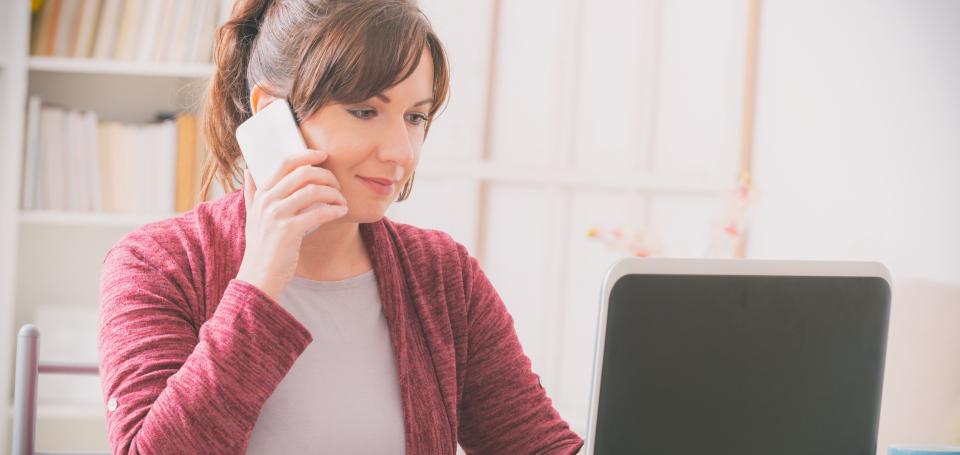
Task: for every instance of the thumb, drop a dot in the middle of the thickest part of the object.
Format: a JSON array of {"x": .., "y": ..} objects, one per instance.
[{"x": 249, "y": 189}]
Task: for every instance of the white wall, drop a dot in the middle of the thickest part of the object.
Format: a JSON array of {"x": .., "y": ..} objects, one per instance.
[
  {"x": 858, "y": 134},
  {"x": 858, "y": 158}
]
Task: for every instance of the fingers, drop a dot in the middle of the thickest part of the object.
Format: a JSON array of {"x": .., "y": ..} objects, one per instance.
[
  {"x": 306, "y": 197},
  {"x": 308, "y": 157},
  {"x": 300, "y": 177},
  {"x": 313, "y": 218},
  {"x": 248, "y": 189},
  {"x": 249, "y": 177},
  {"x": 301, "y": 193}
]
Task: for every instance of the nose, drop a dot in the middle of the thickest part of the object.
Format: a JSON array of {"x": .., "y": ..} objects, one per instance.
[{"x": 396, "y": 144}]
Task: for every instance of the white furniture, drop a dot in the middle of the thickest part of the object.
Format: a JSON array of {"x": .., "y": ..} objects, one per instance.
[
  {"x": 53, "y": 258},
  {"x": 28, "y": 370}
]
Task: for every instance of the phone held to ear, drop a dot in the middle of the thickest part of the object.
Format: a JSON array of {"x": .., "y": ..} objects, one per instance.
[{"x": 267, "y": 138}]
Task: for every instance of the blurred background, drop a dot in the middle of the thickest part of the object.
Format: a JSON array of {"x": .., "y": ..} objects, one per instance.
[{"x": 577, "y": 133}]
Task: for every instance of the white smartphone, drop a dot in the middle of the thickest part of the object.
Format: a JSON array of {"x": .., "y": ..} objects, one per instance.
[{"x": 267, "y": 138}]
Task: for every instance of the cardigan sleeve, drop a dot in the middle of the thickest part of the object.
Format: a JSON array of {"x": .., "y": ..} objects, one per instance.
[
  {"x": 173, "y": 384},
  {"x": 504, "y": 409}
]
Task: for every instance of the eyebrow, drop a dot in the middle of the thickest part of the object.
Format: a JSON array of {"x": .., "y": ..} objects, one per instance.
[{"x": 385, "y": 99}]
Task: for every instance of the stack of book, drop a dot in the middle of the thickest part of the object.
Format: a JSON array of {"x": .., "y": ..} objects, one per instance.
[
  {"x": 173, "y": 31},
  {"x": 74, "y": 162}
]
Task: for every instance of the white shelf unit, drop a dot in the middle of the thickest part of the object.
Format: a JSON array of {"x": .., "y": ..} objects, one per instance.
[
  {"x": 67, "y": 412},
  {"x": 62, "y": 218},
  {"x": 53, "y": 257},
  {"x": 114, "y": 67}
]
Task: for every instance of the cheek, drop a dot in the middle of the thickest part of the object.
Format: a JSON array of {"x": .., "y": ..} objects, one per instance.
[
  {"x": 327, "y": 131},
  {"x": 344, "y": 151},
  {"x": 336, "y": 144},
  {"x": 417, "y": 144},
  {"x": 314, "y": 137},
  {"x": 417, "y": 139}
]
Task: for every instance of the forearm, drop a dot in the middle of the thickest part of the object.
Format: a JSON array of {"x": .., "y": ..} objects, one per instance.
[{"x": 179, "y": 394}]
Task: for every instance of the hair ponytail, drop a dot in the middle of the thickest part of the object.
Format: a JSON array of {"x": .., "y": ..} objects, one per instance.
[{"x": 227, "y": 97}]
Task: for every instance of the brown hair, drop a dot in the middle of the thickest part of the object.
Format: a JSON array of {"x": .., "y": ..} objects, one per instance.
[{"x": 311, "y": 52}]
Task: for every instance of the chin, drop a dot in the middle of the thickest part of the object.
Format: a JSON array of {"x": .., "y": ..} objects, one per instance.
[{"x": 366, "y": 215}]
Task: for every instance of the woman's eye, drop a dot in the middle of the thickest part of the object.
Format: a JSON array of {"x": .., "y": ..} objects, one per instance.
[
  {"x": 417, "y": 119},
  {"x": 363, "y": 114}
]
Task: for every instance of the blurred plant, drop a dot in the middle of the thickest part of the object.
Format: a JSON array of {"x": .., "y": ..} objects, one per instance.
[
  {"x": 640, "y": 243},
  {"x": 727, "y": 233}
]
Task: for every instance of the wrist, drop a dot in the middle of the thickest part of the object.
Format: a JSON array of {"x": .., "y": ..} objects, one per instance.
[{"x": 263, "y": 285}]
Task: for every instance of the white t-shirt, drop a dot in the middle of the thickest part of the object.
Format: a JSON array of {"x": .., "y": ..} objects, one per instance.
[{"x": 342, "y": 395}]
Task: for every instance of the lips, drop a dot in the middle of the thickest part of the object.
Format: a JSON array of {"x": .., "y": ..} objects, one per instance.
[
  {"x": 377, "y": 186},
  {"x": 378, "y": 180}
]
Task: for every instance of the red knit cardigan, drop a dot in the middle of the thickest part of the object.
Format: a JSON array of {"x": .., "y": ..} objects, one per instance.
[{"x": 189, "y": 355}]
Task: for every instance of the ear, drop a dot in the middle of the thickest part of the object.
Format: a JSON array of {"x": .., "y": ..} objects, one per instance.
[{"x": 259, "y": 98}]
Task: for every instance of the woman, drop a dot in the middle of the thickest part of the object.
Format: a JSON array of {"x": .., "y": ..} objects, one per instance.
[{"x": 258, "y": 324}]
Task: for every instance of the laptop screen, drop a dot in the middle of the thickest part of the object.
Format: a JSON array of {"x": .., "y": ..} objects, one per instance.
[{"x": 696, "y": 364}]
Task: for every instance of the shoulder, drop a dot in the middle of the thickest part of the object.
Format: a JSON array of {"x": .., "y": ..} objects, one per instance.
[
  {"x": 153, "y": 247},
  {"x": 181, "y": 239}
]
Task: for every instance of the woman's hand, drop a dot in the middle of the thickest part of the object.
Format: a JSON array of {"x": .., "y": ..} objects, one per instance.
[{"x": 279, "y": 215}]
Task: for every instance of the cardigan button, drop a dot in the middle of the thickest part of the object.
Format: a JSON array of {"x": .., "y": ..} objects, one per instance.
[{"x": 112, "y": 405}]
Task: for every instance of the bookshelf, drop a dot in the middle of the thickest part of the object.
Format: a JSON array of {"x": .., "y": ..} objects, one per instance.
[
  {"x": 65, "y": 218},
  {"x": 66, "y": 412},
  {"x": 113, "y": 67},
  {"x": 50, "y": 258}
]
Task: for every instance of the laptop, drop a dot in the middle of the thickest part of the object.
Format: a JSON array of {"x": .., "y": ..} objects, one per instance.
[{"x": 713, "y": 356}]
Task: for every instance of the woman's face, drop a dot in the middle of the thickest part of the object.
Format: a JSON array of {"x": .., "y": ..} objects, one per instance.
[{"x": 379, "y": 138}]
